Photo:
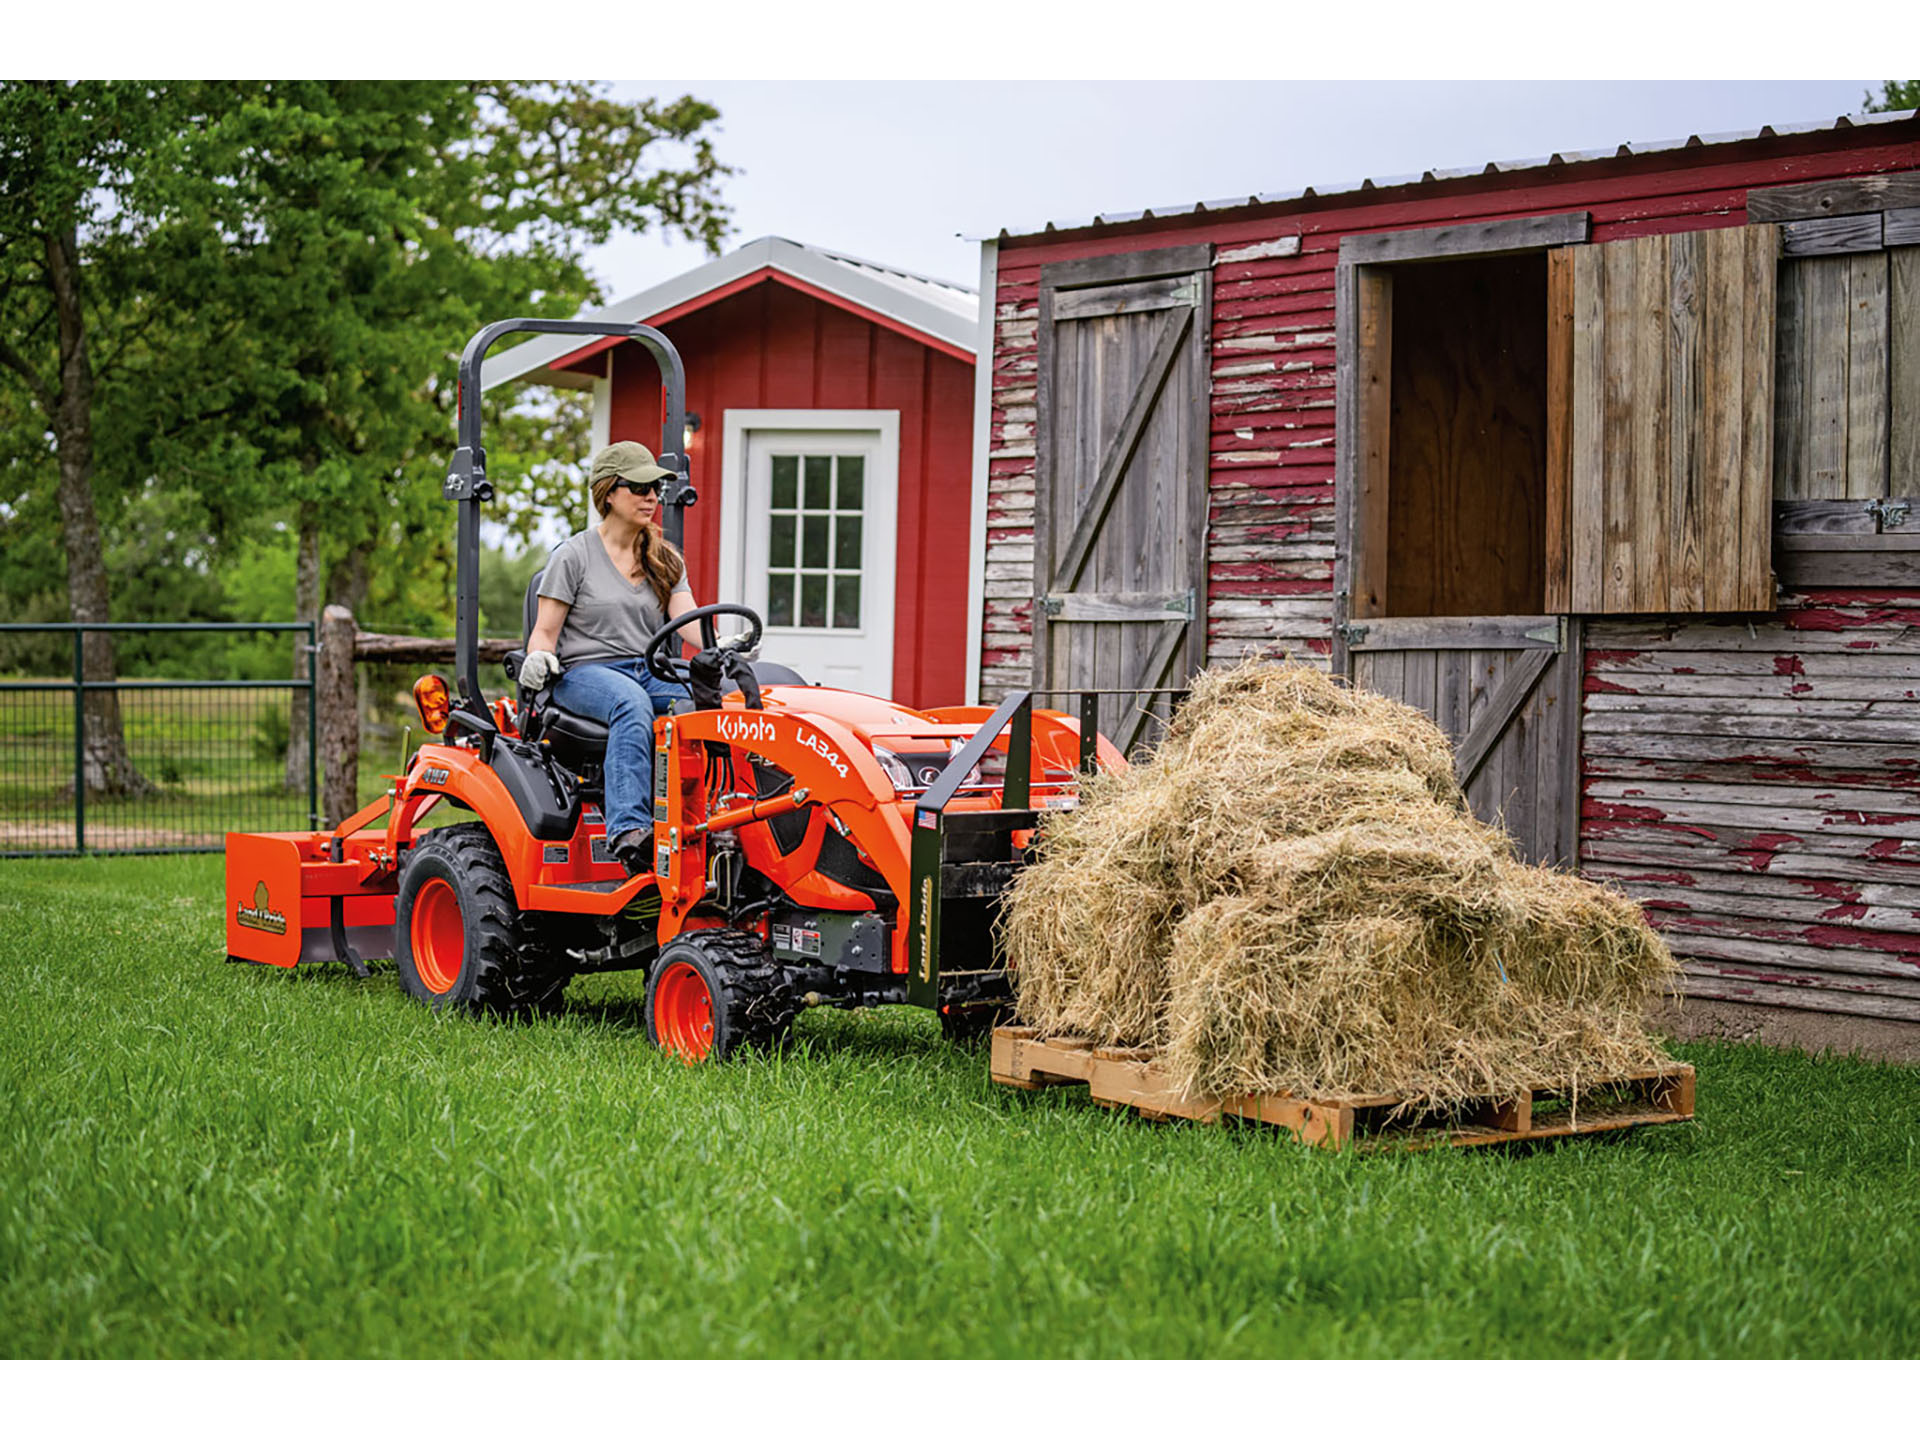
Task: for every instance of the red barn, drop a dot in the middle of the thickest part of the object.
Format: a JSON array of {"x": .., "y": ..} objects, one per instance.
[
  {"x": 1608, "y": 461},
  {"x": 830, "y": 408}
]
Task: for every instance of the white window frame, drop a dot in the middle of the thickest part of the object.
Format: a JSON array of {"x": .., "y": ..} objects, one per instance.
[{"x": 882, "y": 505}]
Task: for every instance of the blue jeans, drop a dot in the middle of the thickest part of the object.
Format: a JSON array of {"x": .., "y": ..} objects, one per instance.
[{"x": 621, "y": 695}]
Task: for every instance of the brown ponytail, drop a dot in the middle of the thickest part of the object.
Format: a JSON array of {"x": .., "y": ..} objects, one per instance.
[
  {"x": 657, "y": 558},
  {"x": 660, "y": 562}
]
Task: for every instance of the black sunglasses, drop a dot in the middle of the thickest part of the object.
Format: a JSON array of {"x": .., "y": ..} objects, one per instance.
[{"x": 638, "y": 487}]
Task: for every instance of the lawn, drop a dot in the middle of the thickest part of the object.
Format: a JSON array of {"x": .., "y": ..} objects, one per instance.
[{"x": 206, "y": 1159}]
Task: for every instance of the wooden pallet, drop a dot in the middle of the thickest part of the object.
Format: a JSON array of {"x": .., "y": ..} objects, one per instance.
[{"x": 1027, "y": 1060}]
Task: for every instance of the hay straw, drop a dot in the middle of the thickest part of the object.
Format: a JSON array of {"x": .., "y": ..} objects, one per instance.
[{"x": 1293, "y": 895}]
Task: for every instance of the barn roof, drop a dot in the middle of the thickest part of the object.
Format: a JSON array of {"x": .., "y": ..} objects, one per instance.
[
  {"x": 943, "y": 313},
  {"x": 1437, "y": 176}
]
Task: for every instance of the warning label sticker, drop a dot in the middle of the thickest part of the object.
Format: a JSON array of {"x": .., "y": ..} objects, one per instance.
[{"x": 797, "y": 939}]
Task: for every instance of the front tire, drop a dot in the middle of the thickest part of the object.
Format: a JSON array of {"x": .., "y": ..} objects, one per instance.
[
  {"x": 460, "y": 938},
  {"x": 712, "y": 993}
]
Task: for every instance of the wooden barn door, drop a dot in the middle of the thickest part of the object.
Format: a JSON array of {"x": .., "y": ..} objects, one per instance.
[
  {"x": 1447, "y": 391},
  {"x": 1120, "y": 483},
  {"x": 1506, "y": 690}
]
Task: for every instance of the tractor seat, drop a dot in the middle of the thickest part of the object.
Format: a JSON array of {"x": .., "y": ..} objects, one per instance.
[{"x": 579, "y": 740}]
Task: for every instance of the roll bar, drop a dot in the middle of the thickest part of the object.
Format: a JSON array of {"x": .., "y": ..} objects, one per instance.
[{"x": 467, "y": 483}]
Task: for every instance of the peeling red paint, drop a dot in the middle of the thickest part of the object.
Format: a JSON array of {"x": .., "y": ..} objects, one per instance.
[
  {"x": 1788, "y": 665},
  {"x": 1594, "y": 685},
  {"x": 1833, "y": 936},
  {"x": 1833, "y": 890},
  {"x": 1597, "y": 658},
  {"x": 1602, "y": 810}
]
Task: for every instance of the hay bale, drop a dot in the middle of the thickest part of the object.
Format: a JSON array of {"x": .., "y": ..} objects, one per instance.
[{"x": 1293, "y": 895}]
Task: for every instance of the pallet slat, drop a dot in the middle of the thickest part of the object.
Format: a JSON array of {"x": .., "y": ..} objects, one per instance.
[{"x": 1024, "y": 1059}]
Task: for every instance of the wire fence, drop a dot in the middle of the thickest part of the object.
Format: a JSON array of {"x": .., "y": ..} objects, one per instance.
[{"x": 146, "y": 763}]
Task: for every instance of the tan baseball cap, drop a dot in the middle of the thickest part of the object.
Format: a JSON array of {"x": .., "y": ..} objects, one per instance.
[{"x": 628, "y": 460}]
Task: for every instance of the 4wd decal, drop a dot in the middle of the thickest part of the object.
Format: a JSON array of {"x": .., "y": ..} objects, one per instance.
[
  {"x": 433, "y": 775},
  {"x": 260, "y": 915}
]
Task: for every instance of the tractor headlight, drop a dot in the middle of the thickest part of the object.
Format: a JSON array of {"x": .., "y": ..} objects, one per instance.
[{"x": 894, "y": 767}]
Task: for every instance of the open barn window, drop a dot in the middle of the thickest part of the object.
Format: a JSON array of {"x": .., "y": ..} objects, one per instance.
[
  {"x": 1447, "y": 417},
  {"x": 1534, "y": 424},
  {"x": 1467, "y": 438}
]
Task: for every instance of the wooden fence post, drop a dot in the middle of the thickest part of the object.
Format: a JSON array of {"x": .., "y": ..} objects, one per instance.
[{"x": 339, "y": 717}]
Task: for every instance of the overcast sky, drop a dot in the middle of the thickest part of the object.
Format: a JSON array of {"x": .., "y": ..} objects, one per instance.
[{"x": 897, "y": 172}]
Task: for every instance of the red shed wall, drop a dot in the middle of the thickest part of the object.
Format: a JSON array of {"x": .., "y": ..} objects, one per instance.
[
  {"x": 771, "y": 347},
  {"x": 1777, "y": 875}
]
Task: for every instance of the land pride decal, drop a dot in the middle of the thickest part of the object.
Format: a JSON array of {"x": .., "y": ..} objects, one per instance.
[{"x": 259, "y": 915}]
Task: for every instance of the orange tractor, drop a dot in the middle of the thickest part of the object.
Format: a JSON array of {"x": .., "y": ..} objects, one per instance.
[{"x": 812, "y": 846}]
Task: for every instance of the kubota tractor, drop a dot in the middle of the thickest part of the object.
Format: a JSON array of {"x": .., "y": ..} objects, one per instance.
[{"x": 812, "y": 846}]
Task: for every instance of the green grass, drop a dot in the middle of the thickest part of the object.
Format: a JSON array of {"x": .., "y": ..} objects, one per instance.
[{"x": 204, "y": 1159}]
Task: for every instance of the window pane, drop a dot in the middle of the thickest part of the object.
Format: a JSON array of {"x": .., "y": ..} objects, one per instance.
[
  {"x": 780, "y": 598},
  {"x": 819, "y": 482},
  {"x": 846, "y": 542},
  {"x": 786, "y": 481},
  {"x": 813, "y": 600},
  {"x": 853, "y": 481},
  {"x": 813, "y": 542},
  {"x": 846, "y": 601},
  {"x": 780, "y": 542}
]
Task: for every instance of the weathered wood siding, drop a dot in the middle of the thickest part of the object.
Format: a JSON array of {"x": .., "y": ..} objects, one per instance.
[
  {"x": 1757, "y": 787},
  {"x": 1271, "y": 522}
]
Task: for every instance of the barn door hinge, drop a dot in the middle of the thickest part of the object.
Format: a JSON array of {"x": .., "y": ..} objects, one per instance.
[
  {"x": 1353, "y": 634},
  {"x": 1554, "y": 634},
  {"x": 1890, "y": 514},
  {"x": 1051, "y": 606}
]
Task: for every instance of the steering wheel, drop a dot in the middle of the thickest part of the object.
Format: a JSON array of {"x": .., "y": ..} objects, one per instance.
[{"x": 663, "y": 665}]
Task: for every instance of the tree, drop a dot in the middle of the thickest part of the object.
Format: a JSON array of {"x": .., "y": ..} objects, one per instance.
[
  {"x": 1896, "y": 95},
  {"x": 65, "y": 152},
  {"x": 293, "y": 267}
]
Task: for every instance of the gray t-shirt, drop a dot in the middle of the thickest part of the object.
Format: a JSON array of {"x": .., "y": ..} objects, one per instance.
[{"x": 611, "y": 617}]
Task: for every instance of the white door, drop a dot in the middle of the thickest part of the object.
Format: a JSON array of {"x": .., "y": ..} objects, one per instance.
[{"x": 816, "y": 535}]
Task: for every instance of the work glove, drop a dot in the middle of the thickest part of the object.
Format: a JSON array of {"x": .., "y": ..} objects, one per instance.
[
  {"x": 706, "y": 679},
  {"x": 539, "y": 669}
]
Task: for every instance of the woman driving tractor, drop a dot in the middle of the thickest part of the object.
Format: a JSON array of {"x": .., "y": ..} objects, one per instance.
[{"x": 606, "y": 590}]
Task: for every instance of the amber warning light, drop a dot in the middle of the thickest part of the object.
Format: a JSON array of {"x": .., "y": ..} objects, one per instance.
[{"x": 430, "y": 694}]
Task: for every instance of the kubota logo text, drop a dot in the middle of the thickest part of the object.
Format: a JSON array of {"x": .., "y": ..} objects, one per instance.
[
  {"x": 258, "y": 916},
  {"x": 746, "y": 729}
]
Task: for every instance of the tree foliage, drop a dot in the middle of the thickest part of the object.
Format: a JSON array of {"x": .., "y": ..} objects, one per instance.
[
  {"x": 1896, "y": 95},
  {"x": 277, "y": 278}
]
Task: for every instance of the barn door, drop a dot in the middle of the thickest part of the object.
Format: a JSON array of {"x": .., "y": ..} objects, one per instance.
[
  {"x": 1506, "y": 690},
  {"x": 1120, "y": 480}
]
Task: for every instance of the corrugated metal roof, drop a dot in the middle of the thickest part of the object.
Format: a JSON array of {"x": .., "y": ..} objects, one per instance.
[
  {"x": 936, "y": 308},
  {"x": 1436, "y": 176}
]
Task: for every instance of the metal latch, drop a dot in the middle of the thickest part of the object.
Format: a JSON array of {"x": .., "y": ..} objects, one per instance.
[
  {"x": 1052, "y": 605},
  {"x": 1891, "y": 514}
]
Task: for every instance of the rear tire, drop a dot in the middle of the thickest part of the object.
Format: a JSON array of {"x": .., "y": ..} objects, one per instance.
[
  {"x": 711, "y": 993},
  {"x": 460, "y": 938}
]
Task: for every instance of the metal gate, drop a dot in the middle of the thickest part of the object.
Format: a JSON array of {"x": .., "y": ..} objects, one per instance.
[{"x": 210, "y": 755}]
